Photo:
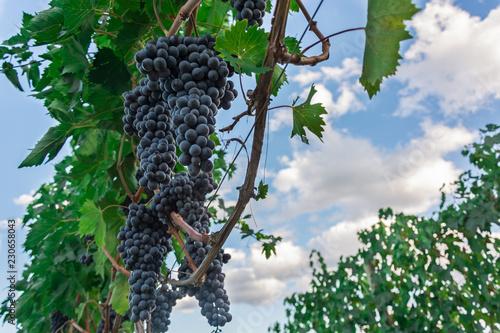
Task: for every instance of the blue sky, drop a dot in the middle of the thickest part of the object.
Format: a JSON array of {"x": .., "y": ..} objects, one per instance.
[{"x": 394, "y": 150}]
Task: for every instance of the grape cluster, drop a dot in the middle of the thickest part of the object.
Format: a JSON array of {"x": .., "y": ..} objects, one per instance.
[
  {"x": 88, "y": 239},
  {"x": 144, "y": 247},
  {"x": 112, "y": 317},
  {"x": 193, "y": 117},
  {"x": 211, "y": 296},
  {"x": 251, "y": 10},
  {"x": 192, "y": 79},
  {"x": 57, "y": 321},
  {"x": 148, "y": 116},
  {"x": 145, "y": 240},
  {"x": 87, "y": 260},
  {"x": 142, "y": 294},
  {"x": 165, "y": 301},
  {"x": 185, "y": 195},
  {"x": 157, "y": 161}
]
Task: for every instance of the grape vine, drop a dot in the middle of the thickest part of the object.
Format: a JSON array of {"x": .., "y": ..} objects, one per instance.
[{"x": 138, "y": 103}]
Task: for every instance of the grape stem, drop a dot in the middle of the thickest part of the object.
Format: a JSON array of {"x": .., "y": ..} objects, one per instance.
[
  {"x": 236, "y": 120},
  {"x": 182, "y": 16},
  {"x": 297, "y": 59},
  {"x": 117, "y": 323},
  {"x": 192, "y": 23},
  {"x": 115, "y": 264},
  {"x": 75, "y": 325},
  {"x": 173, "y": 230},
  {"x": 193, "y": 234},
  {"x": 119, "y": 168},
  {"x": 158, "y": 18}
]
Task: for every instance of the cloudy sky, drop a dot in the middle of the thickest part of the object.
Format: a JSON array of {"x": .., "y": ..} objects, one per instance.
[{"x": 395, "y": 150}]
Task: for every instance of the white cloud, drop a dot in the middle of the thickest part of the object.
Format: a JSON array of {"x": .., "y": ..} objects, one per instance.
[
  {"x": 246, "y": 285},
  {"x": 453, "y": 60},
  {"x": 340, "y": 240},
  {"x": 187, "y": 305},
  {"x": 262, "y": 280},
  {"x": 24, "y": 199},
  {"x": 352, "y": 174},
  {"x": 280, "y": 118}
]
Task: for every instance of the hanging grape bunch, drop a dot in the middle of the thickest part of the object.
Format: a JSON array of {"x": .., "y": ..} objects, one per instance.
[
  {"x": 251, "y": 10},
  {"x": 176, "y": 104},
  {"x": 174, "y": 108}
]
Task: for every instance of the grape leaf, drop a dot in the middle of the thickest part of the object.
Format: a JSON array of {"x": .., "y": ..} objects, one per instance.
[
  {"x": 76, "y": 12},
  {"x": 73, "y": 57},
  {"x": 50, "y": 145},
  {"x": 262, "y": 191},
  {"x": 212, "y": 12},
  {"x": 268, "y": 248},
  {"x": 245, "y": 50},
  {"x": 11, "y": 75},
  {"x": 46, "y": 25},
  {"x": 92, "y": 222},
  {"x": 308, "y": 115},
  {"x": 294, "y": 7},
  {"x": 277, "y": 74},
  {"x": 106, "y": 63},
  {"x": 384, "y": 30},
  {"x": 291, "y": 43},
  {"x": 119, "y": 298}
]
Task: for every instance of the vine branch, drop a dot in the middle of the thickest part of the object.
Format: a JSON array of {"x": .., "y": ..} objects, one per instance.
[
  {"x": 182, "y": 16},
  {"x": 297, "y": 59},
  {"x": 236, "y": 120},
  {"x": 176, "y": 234},
  {"x": 75, "y": 325},
  {"x": 158, "y": 18},
  {"x": 119, "y": 168},
  {"x": 115, "y": 264},
  {"x": 260, "y": 102}
]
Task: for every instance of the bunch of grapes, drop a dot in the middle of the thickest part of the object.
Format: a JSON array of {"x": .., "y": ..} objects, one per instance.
[
  {"x": 145, "y": 240},
  {"x": 57, "y": 321},
  {"x": 142, "y": 295},
  {"x": 191, "y": 79},
  {"x": 165, "y": 301},
  {"x": 251, "y": 10},
  {"x": 211, "y": 296},
  {"x": 174, "y": 107},
  {"x": 144, "y": 247},
  {"x": 87, "y": 260}
]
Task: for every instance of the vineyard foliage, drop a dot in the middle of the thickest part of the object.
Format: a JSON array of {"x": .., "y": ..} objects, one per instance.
[
  {"x": 77, "y": 56},
  {"x": 417, "y": 274}
]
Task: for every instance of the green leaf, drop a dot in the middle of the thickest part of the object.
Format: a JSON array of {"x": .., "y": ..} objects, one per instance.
[
  {"x": 92, "y": 222},
  {"x": 119, "y": 298},
  {"x": 11, "y": 75},
  {"x": 76, "y": 13},
  {"x": 212, "y": 12},
  {"x": 106, "y": 63},
  {"x": 244, "y": 49},
  {"x": 129, "y": 35},
  {"x": 279, "y": 79},
  {"x": 294, "y": 7},
  {"x": 384, "y": 31},
  {"x": 262, "y": 191},
  {"x": 50, "y": 145},
  {"x": 308, "y": 115},
  {"x": 132, "y": 5},
  {"x": 46, "y": 25},
  {"x": 291, "y": 43},
  {"x": 73, "y": 56},
  {"x": 269, "y": 248}
]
